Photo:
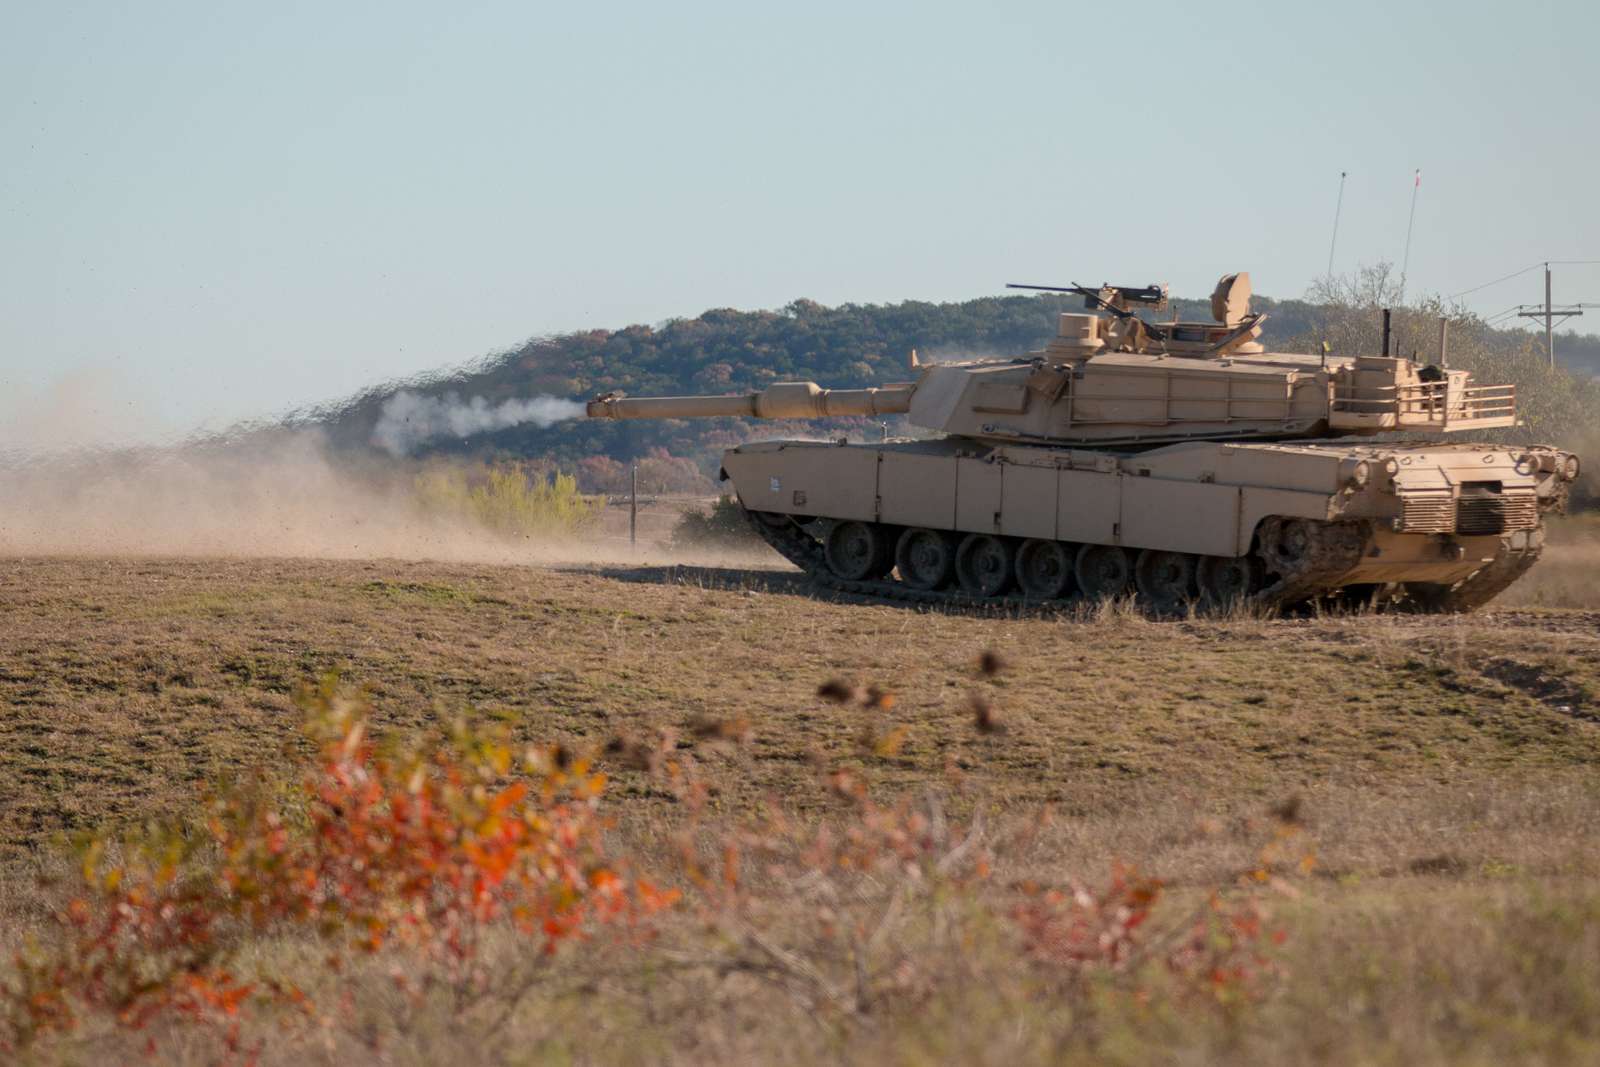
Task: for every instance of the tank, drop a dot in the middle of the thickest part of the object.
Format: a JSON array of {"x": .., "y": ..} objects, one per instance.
[{"x": 1180, "y": 462}]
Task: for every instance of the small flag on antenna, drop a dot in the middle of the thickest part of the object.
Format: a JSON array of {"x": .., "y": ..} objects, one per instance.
[{"x": 1418, "y": 184}]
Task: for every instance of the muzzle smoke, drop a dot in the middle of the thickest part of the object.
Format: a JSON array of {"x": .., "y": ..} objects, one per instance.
[{"x": 409, "y": 419}]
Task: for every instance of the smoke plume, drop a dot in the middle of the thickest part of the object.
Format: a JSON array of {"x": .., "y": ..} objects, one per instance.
[{"x": 409, "y": 419}]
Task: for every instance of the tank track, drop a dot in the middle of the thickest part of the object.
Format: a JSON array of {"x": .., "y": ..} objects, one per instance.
[
  {"x": 804, "y": 551},
  {"x": 1473, "y": 592},
  {"x": 1307, "y": 558},
  {"x": 1304, "y": 559}
]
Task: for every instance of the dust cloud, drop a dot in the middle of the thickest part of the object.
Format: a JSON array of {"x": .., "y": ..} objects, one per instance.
[
  {"x": 270, "y": 493},
  {"x": 89, "y": 470},
  {"x": 277, "y": 495}
]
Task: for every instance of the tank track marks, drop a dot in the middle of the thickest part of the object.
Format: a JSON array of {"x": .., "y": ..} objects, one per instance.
[
  {"x": 1482, "y": 586},
  {"x": 1306, "y": 558}
]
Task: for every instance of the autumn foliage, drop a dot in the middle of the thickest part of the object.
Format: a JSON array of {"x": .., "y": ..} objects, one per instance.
[
  {"x": 882, "y": 904},
  {"x": 436, "y": 852},
  {"x": 424, "y": 847}
]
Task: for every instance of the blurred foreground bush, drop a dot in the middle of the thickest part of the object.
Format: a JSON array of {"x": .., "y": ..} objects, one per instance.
[
  {"x": 428, "y": 892},
  {"x": 421, "y": 847}
]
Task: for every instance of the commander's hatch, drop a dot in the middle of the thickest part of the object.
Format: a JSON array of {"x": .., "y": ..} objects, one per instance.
[{"x": 1233, "y": 333}]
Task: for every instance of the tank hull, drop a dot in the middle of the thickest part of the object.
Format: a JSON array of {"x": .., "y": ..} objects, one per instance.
[{"x": 1434, "y": 526}]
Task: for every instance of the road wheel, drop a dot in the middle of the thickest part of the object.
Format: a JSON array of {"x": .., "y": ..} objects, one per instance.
[
  {"x": 1103, "y": 571},
  {"x": 1044, "y": 569},
  {"x": 984, "y": 564},
  {"x": 1165, "y": 580},
  {"x": 857, "y": 551},
  {"x": 926, "y": 558},
  {"x": 1226, "y": 581},
  {"x": 1287, "y": 544}
]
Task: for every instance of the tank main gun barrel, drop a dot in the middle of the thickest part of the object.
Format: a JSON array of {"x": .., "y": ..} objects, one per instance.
[{"x": 781, "y": 400}]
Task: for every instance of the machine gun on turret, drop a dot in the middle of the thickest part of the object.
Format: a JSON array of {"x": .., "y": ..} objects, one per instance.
[
  {"x": 1234, "y": 330},
  {"x": 1112, "y": 298}
]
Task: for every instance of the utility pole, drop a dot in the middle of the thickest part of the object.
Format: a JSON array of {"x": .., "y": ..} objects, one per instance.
[
  {"x": 1549, "y": 313},
  {"x": 1549, "y": 331},
  {"x": 633, "y": 507}
]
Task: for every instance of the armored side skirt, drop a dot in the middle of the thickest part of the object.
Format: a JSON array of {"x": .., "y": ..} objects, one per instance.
[{"x": 1206, "y": 499}]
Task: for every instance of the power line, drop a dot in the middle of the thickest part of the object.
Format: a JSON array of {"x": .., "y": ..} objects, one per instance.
[
  {"x": 1497, "y": 281},
  {"x": 1500, "y": 316},
  {"x": 1524, "y": 270}
]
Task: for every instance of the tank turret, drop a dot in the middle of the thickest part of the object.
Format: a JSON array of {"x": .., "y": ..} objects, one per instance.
[
  {"x": 1114, "y": 379},
  {"x": 1178, "y": 460}
]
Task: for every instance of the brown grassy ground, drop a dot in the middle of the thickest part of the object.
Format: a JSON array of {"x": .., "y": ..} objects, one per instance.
[
  {"x": 130, "y": 682},
  {"x": 1446, "y": 766}
]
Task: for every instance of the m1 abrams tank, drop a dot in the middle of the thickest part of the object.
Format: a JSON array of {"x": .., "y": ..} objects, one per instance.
[{"x": 1178, "y": 461}]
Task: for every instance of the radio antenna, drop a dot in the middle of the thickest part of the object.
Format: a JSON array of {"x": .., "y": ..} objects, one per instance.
[{"x": 1338, "y": 206}]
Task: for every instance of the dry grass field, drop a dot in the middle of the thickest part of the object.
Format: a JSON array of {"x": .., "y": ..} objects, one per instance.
[{"x": 1441, "y": 770}]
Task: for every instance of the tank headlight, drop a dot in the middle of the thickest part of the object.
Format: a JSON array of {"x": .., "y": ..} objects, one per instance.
[
  {"x": 1392, "y": 466},
  {"x": 1569, "y": 470},
  {"x": 1526, "y": 465},
  {"x": 1355, "y": 472}
]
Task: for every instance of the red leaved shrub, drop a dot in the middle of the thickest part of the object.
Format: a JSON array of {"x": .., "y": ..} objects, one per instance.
[{"x": 426, "y": 845}]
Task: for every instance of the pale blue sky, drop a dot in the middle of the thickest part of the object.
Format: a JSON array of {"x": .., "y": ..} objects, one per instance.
[{"x": 212, "y": 210}]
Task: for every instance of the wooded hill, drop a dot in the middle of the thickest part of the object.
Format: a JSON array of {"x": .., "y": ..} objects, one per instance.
[{"x": 724, "y": 351}]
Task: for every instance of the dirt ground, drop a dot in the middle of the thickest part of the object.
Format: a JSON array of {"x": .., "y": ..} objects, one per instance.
[
  {"x": 1443, "y": 768},
  {"x": 130, "y": 682}
]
